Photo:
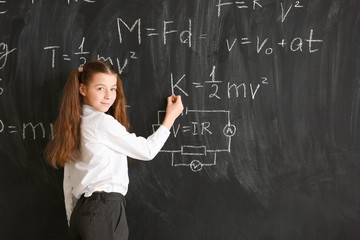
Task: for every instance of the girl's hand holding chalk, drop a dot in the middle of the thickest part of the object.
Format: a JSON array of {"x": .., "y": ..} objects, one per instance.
[{"x": 173, "y": 110}]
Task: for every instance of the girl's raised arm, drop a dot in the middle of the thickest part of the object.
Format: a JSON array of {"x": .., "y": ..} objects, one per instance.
[{"x": 173, "y": 110}]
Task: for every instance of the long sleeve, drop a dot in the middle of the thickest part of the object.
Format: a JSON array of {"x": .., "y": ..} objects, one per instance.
[
  {"x": 69, "y": 198},
  {"x": 116, "y": 137},
  {"x": 101, "y": 163}
]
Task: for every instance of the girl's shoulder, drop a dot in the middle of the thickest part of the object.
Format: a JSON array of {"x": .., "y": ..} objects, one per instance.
[
  {"x": 107, "y": 122},
  {"x": 97, "y": 120}
]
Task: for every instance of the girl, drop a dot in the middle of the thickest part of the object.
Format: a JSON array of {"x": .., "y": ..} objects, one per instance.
[{"x": 92, "y": 143}]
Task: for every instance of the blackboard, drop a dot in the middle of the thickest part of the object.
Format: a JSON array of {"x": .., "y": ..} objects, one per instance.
[{"x": 267, "y": 146}]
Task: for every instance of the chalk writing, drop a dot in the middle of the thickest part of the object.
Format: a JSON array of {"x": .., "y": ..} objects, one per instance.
[
  {"x": 29, "y": 129},
  {"x": 33, "y": 128},
  {"x": 81, "y": 54},
  {"x": 120, "y": 65},
  {"x": 191, "y": 155},
  {"x": 87, "y": 1},
  {"x": 239, "y": 4},
  {"x": 66, "y": 57},
  {"x": 4, "y": 53},
  {"x": 52, "y": 48},
  {"x": 1, "y": 89},
  {"x": 185, "y": 36},
  {"x": 176, "y": 85},
  {"x": 229, "y": 47},
  {"x": 215, "y": 87},
  {"x": 70, "y": 1},
  {"x": 295, "y": 45},
  {"x": 284, "y": 13},
  {"x": 254, "y": 4},
  {"x": 4, "y": 11},
  {"x": 198, "y": 156}
]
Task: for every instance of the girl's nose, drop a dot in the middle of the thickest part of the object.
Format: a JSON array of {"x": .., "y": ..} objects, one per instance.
[{"x": 107, "y": 95}]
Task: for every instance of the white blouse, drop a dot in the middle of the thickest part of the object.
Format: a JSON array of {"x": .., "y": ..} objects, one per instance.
[{"x": 101, "y": 163}]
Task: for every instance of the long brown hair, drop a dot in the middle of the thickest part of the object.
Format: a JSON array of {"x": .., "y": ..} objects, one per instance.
[{"x": 67, "y": 126}]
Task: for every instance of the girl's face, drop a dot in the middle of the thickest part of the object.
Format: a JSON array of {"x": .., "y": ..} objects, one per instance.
[{"x": 101, "y": 91}]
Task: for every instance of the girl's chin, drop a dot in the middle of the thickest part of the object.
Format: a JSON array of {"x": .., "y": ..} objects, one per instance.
[{"x": 102, "y": 108}]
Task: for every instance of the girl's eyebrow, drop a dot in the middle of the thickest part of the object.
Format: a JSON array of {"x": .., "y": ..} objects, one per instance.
[{"x": 100, "y": 84}]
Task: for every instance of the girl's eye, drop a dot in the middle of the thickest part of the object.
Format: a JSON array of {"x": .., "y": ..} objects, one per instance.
[
  {"x": 101, "y": 89},
  {"x": 113, "y": 89}
]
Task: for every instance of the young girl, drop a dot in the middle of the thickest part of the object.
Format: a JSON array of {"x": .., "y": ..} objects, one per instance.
[{"x": 92, "y": 143}]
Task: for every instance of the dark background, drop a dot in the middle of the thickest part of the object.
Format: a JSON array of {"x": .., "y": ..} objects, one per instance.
[{"x": 290, "y": 171}]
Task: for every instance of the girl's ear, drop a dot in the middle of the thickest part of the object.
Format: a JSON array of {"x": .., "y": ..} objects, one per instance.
[{"x": 82, "y": 89}]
